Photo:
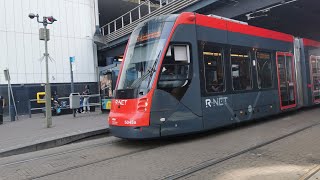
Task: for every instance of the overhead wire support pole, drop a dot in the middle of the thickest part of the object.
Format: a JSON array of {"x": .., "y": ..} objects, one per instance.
[
  {"x": 47, "y": 87},
  {"x": 44, "y": 35}
]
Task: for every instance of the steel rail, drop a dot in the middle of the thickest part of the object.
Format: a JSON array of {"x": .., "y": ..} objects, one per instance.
[{"x": 212, "y": 162}]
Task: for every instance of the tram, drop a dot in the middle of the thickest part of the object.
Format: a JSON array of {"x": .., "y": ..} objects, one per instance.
[{"x": 188, "y": 73}]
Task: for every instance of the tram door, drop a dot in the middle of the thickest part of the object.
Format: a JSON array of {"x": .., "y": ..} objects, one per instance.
[
  {"x": 286, "y": 80},
  {"x": 315, "y": 77}
]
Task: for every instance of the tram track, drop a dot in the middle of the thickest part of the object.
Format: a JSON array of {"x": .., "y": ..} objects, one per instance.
[
  {"x": 61, "y": 153},
  {"x": 212, "y": 162},
  {"x": 114, "y": 142},
  {"x": 183, "y": 173},
  {"x": 91, "y": 163},
  {"x": 112, "y": 151}
]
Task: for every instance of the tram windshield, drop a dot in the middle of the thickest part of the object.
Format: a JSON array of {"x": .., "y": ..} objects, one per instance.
[{"x": 145, "y": 47}]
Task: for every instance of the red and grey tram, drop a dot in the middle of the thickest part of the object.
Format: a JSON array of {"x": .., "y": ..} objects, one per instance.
[{"x": 188, "y": 73}]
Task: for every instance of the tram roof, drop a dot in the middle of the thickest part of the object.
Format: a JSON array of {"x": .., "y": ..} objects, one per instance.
[
  {"x": 312, "y": 43},
  {"x": 232, "y": 26}
]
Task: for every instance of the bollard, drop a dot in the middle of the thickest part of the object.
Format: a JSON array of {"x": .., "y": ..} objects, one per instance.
[
  {"x": 29, "y": 107},
  {"x": 12, "y": 113},
  {"x": 1, "y": 115}
]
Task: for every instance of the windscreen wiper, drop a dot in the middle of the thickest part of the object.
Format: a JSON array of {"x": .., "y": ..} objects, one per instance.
[
  {"x": 150, "y": 72},
  {"x": 153, "y": 69},
  {"x": 138, "y": 81}
]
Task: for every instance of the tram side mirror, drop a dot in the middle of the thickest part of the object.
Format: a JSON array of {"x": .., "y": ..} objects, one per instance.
[{"x": 181, "y": 53}]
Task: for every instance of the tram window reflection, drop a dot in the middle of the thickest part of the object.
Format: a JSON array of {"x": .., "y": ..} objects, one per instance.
[
  {"x": 264, "y": 69},
  {"x": 213, "y": 68},
  {"x": 241, "y": 69},
  {"x": 175, "y": 65},
  {"x": 175, "y": 70}
]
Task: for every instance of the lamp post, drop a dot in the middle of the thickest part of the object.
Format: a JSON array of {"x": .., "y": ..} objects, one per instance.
[{"x": 44, "y": 35}]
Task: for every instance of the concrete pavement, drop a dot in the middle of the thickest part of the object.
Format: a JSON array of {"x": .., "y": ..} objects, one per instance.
[
  {"x": 31, "y": 134},
  {"x": 295, "y": 157}
]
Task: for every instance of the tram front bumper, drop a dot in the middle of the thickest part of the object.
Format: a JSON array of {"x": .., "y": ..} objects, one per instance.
[{"x": 128, "y": 132}]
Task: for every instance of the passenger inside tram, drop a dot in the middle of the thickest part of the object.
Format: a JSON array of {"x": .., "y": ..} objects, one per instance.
[
  {"x": 174, "y": 74},
  {"x": 217, "y": 85}
]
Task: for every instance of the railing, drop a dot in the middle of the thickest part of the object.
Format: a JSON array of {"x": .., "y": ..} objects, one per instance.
[
  {"x": 65, "y": 99},
  {"x": 136, "y": 13},
  {"x": 173, "y": 6}
]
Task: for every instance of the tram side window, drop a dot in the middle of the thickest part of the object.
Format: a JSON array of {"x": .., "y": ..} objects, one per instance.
[
  {"x": 264, "y": 68},
  {"x": 175, "y": 70},
  {"x": 241, "y": 69},
  {"x": 213, "y": 68}
]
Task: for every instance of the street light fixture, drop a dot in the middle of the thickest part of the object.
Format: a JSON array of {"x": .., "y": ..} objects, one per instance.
[
  {"x": 31, "y": 15},
  {"x": 44, "y": 35}
]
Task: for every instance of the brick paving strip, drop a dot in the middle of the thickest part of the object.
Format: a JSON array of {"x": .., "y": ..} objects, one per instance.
[
  {"x": 29, "y": 135},
  {"x": 313, "y": 174},
  {"x": 111, "y": 158}
]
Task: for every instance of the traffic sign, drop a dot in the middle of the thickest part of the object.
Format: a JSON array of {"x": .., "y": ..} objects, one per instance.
[{"x": 72, "y": 58}]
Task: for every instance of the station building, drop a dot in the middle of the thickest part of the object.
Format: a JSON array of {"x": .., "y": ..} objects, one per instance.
[
  {"x": 95, "y": 32},
  {"x": 21, "y": 51}
]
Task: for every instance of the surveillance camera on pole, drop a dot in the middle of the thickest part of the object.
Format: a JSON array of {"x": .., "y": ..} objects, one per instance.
[
  {"x": 51, "y": 19},
  {"x": 31, "y": 15},
  {"x": 45, "y": 36}
]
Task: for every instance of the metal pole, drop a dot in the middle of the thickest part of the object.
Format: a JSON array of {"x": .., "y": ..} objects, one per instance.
[
  {"x": 122, "y": 21},
  {"x": 149, "y": 8},
  {"x": 130, "y": 17},
  {"x": 139, "y": 12},
  {"x": 9, "y": 93},
  {"x": 14, "y": 103},
  {"x": 72, "y": 86},
  {"x": 71, "y": 73},
  {"x": 47, "y": 87},
  {"x": 29, "y": 106}
]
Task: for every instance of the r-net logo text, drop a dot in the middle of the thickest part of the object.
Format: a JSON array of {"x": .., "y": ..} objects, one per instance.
[{"x": 221, "y": 101}]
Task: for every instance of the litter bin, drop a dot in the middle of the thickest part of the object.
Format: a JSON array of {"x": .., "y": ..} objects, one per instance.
[{"x": 74, "y": 99}]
